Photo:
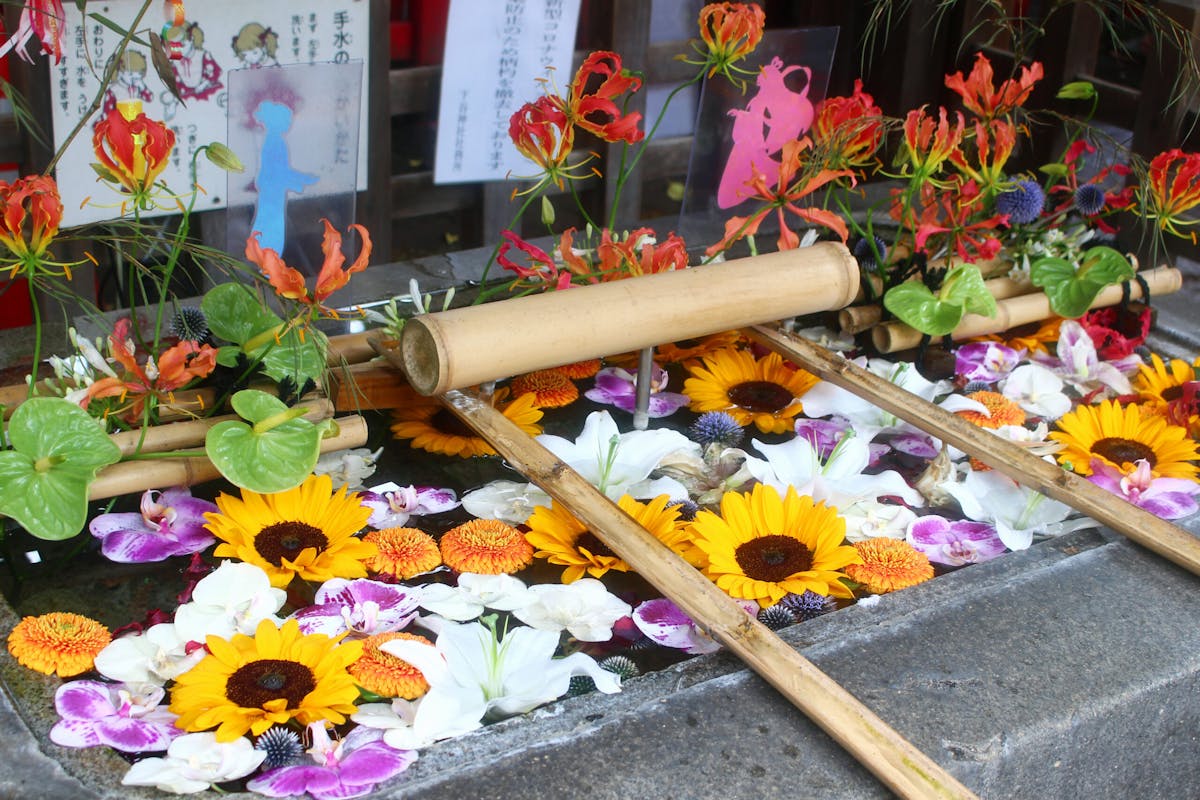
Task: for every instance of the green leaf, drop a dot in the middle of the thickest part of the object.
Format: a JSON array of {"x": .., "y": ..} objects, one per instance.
[
  {"x": 1072, "y": 291},
  {"x": 57, "y": 450},
  {"x": 235, "y": 314},
  {"x": 112, "y": 26},
  {"x": 913, "y": 304},
  {"x": 228, "y": 356},
  {"x": 964, "y": 286},
  {"x": 274, "y": 459}
]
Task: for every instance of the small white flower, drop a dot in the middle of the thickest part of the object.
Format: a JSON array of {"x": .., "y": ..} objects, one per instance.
[
  {"x": 231, "y": 599},
  {"x": 585, "y": 609},
  {"x": 869, "y": 519},
  {"x": 473, "y": 594},
  {"x": 156, "y": 656},
  {"x": 195, "y": 762},
  {"x": 348, "y": 468}
]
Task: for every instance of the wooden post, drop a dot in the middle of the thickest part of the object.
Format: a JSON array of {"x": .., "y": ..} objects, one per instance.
[
  {"x": 894, "y": 760},
  {"x": 1158, "y": 535}
]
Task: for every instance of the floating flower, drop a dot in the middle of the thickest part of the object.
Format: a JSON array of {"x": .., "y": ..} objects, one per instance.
[
  {"x": 618, "y": 387},
  {"x": 473, "y": 594},
  {"x": 870, "y": 519},
  {"x": 761, "y": 391},
  {"x": 1122, "y": 436},
  {"x": 808, "y": 605},
  {"x": 404, "y": 553},
  {"x": 1079, "y": 365},
  {"x": 762, "y": 546},
  {"x": 954, "y": 542},
  {"x": 717, "y": 427},
  {"x": 249, "y": 683},
  {"x": 1017, "y": 513},
  {"x": 1172, "y": 187},
  {"x": 349, "y": 468},
  {"x": 1169, "y": 498},
  {"x": 58, "y": 643},
  {"x": 392, "y": 505},
  {"x": 196, "y": 762},
  {"x": 580, "y": 370},
  {"x": 133, "y": 149},
  {"x": 434, "y": 428},
  {"x": 562, "y": 539},
  {"x": 442, "y": 713},
  {"x": 1000, "y": 411},
  {"x": 1118, "y": 331},
  {"x": 155, "y": 656},
  {"x": 233, "y": 598},
  {"x": 1037, "y": 390},
  {"x": 306, "y": 531},
  {"x": 289, "y": 283},
  {"x": 361, "y": 607},
  {"x": 730, "y": 32},
  {"x": 868, "y": 420},
  {"x": 687, "y": 350},
  {"x": 486, "y": 546},
  {"x": 666, "y": 624},
  {"x": 171, "y": 523},
  {"x": 1160, "y": 383},
  {"x": 351, "y": 767},
  {"x": 122, "y": 717},
  {"x": 282, "y": 747},
  {"x": 584, "y": 608},
  {"x": 590, "y": 102},
  {"x": 384, "y": 674},
  {"x": 42, "y": 19},
  {"x": 985, "y": 361},
  {"x": 888, "y": 565},
  {"x": 550, "y": 388},
  {"x": 507, "y": 501},
  {"x": 980, "y": 95}
]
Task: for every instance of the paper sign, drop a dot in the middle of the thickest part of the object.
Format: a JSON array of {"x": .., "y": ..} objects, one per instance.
[
  {"x": 496, "y": 50},
  {"x": 219, "y": 36}
]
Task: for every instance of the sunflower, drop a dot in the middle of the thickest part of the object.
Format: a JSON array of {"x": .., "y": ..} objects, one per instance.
[
  {"x": 385, "y": 674},
  {"x": 434, "y": 428},
  {"x": 249, "y": 683},
  {"x": 1003, "y": 411},
  {"x": 888, "y": 565},
  {"x": 1160, "y": 384},
  {"x": 58, "y": 643},
  {"x": 550, "y": 388},
  {"x": 404, "y": 553},
  {"x": 306, "y": 531},
  {"x": 761, "y": 546},
  {"x": 486, "y": 547},
  {"x": 689, "y": 350},
  {"x": 1121, "y": 435},
  {"x": 562, "y": 539},
  {"x": 764, "y": 391}
]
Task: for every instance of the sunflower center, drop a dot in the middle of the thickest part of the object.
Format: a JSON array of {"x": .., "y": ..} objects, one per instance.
[
  {"x": 688, "y": 344},
  {"x": 1172, "y": 393},
  {"x": 591, "y": 542},
  {"x": 445, "y": 421},
  {"x": 1121, "y": 451},
  {"x": 760, "y": 396},
  {"x": 259, "y": 682},
  {"x": 286, "y": 540},
  {"x": 773, "y": 558}
]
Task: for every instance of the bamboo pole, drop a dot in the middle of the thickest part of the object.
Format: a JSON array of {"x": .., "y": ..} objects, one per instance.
[
  {"x": 350, "y": 348},
  {"x": 890, "y": 337},
  {"x": 126, "y": 477},
  {"x": 856, "y": 319},
  {"x": 891, "y": 758},
  {"x": 1153, "y": 533},
  {"x": 183, "y": 435}
]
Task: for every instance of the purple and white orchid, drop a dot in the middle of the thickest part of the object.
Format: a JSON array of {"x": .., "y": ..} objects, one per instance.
[
  {"x": 392, "y": 505},
  {"x": 986, "y": 362},
  {"x": 666, "y": 623},
  {"x": 1080, "y": 365},
  {"x": 1168, "y": 498},
  {"x": 124, "y": 717},
  {"x": 362, "y": 606},
  {"x": 618, "y": 387},
  {"x": 170, "y": 523},
  {"x": 350, "y": 767},
  {"x": 956, "y": 542}
]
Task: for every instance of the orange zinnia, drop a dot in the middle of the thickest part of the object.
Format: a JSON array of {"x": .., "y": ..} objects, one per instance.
[
  {"x": 487, "y": 547},
  {"x": 58, "y": 642},
  {"x": 888, "y": 565}
]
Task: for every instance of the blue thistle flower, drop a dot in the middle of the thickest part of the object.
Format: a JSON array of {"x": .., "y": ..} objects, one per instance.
[
  {"x": 1023, "y": 203},
  {"x": 717, "y": 427},
  {"x": 777, "y": 617},
  {"x": 808, "y": 605},
  {"x": 1089, "y": 199},
  {"x": 580, "y": 684},
  {"x": 282, "y": 746},
  {"x": 190, "y": 325},
  {"x": 624, "y": 666},
  {"x": 977, "y": 386},
  {"x": 687, "y": 509},
  {"x": 864, "y": 253}
]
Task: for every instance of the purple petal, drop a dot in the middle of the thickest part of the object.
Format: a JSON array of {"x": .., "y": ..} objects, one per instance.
[
  {"x": 89, "y": 700},
  {"x": 187, "y": 507},
  {"x": 295, "y": 781},
  {"x": 822, "y": 434},
  {"x": 325, "y": 618},
  {"x": 373, "y": 763},
  {"x": 930, "y": 530},
  {"x": 664, "y": 404},
  {"x": 914, "y": 444},
  {"x": 74, "y": 733},
  {"x": 133, "y": 735},
  {"x": 665, "y": 623},
  {"x": 106, "y": 524},
  {"x": 1169, "y": 505},
  {"x": 435, "y": 500},
  {"x": 613, "y": 385},
  {"x": 135, "y": 547}
]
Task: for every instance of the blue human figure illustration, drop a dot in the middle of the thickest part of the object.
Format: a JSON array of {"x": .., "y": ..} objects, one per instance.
[{"x": 275, "y": 175}]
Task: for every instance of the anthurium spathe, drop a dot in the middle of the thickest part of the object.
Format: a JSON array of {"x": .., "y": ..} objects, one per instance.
[
  {"x": 133, "y": 150},
  {"x": 289, "y": 283}
]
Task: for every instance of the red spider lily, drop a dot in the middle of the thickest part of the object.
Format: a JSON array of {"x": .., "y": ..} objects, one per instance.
[
  {"x": 955, "y": 208},
  {"x": 784, "y": 196},
  {"x": 132, "y": 148},
  {"x": 175, "y": 368},
  {"x": 1172, "y": 187},
  {"x": 43, "y": 19},
  {"x": 928, "y": 143},
  {"x": 731, "y": 31},
  {"x": 994, "y": 143},
  {"x": 30, "y": 213},
  {"x": 590, "y": 99},
  {"x": 851, "y": 128},
  {"x": 542, "y": 272},
  {"x": 289, "y": 283},
  {"x": 980, "y": 96},
  {"x": 1113, "y": 200}
]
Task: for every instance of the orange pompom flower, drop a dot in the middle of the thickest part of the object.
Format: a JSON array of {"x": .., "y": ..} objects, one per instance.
[{"x": 58, "y": 643}]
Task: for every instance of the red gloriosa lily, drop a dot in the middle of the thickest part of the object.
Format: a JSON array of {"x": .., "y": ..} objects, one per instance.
[
  {"x": 590, "y": 100},
  {"x": 929, "y": 143},
  {"x": 851, "y": 128},
  {"x": 132, "y": 147},
  {"x": 1172, "y": 187},
  {"x": 957, "y": 205},
  {"x": 30, "y": 213},
  {"x": 289, "y": 283},
  {"x": 980, "y": 96},
  {"x": 542, "y": 133},
  {"x": 542, "y": 272},
  {"x": 731, "y": 31}
]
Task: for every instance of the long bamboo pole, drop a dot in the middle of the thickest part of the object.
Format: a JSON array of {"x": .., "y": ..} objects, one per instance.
[
  {"x": 894, "y": 760},
  {"x": 1158, "y": 535},
  {"x": 183, "y": 435}
]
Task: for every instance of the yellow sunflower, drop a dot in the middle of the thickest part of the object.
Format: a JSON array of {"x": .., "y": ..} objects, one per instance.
[
  {"x": 1121, "y": 435},
  {"x": 561, "y": 539},
  {"x": 306, "y": 531},
  {"x": 763, "y": 546},
  {"x": 58, "y": 643},
  {"x": 434, "y": 428},
  {"x": 249, "y": 683},
  {"x": 385, "y": 674},
  {"x": 1159, "y": 384},
  {"x": 888, "y": 565},
  {"x": 764, "y": 391}
]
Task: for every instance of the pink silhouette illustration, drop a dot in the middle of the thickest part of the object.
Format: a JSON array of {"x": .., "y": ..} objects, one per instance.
[{"x": 773, "y": 117}]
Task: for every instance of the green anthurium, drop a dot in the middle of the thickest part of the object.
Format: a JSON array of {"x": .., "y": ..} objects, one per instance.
[
  {"x": 1072, "y": 291},
  {"x": 57, "y": 449},
  {"x": 272, "y": 451},
  {"x": 938, "y": 314},
  {"x": 234, "y": 314}
]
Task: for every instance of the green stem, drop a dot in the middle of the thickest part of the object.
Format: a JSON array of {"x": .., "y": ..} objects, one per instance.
[
  {"x": 170, "y": 454},
  {"x": 37, "y": 334},
  {"x": 499, "y": 242}
]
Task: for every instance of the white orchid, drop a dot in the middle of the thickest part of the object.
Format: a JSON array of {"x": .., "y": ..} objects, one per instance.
[
  {"x": 870, "y": 519},
  {"x": 826, "y": 399},
  {"x": 231, "y": 599},
  {"x": 585, "y": 609},
  {"x": 155, "y": 656},
  {"x": 1080, "y": 365},
  {"x": 195, "y": 762},
  {"x": 443, "y": 712},
  {"x": 1037, "y": 390},
  {"x": 473, "y": 594}
]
